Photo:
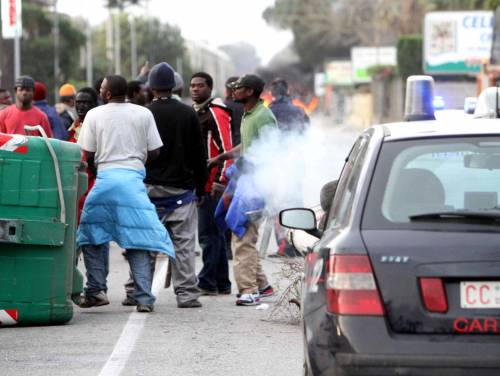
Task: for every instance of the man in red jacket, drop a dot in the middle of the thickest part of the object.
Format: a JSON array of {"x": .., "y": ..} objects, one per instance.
[
  {"x": 215, "y": 124},
  {"x": 16, "y": 116}
]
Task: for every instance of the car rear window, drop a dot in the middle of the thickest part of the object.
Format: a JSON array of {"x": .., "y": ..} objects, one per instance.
[{"x": 415, "y": 177}]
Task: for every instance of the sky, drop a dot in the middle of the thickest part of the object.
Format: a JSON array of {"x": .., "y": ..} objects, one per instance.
[{"x": 216, "y": 21}]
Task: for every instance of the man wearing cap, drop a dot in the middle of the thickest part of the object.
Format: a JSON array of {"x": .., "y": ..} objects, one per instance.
[
  {"x": 16, "y": 116},
  {"x": 250, "y": 278},
  {"x": 177, "y": 178},
  {"x": 236, "y": 111},
  {"x": 66, "y": 108},
  {"x": 58, "y": 130}
]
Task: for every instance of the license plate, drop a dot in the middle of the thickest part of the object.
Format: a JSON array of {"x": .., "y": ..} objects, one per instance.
[{"x": 480, "y": 294}]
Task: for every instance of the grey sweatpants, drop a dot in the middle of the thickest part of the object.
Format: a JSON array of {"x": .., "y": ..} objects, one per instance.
[{"x": 181, "y": 225}]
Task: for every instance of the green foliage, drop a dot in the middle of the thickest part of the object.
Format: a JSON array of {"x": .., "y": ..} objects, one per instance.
[
  {"x": 457, "y": 4},
  {"x": 462, "y": 4},
  {"x": 409, "y": 57},
  {"x": 492, "y": 4},
  {"x": 37, "y": 47},
  {"x": 121, "y": 4}
]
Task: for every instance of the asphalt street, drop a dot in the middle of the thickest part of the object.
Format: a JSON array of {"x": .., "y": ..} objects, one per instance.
[{"x": 217, "y": 339}]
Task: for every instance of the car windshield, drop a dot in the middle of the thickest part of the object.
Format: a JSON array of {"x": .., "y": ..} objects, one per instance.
[{"x": 436, "y": 182}]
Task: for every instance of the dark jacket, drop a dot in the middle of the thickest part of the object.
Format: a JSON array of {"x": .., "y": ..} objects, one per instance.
[
  {"x": 289, "y": 116},
  {"x": 58, "y": 129},
  {"x": 183, "y": 161},
  {"x": 237, "y": 111}
]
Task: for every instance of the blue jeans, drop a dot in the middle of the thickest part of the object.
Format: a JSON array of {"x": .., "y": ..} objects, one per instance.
[
  {"x": 96, "y": 258},
  {"x": 215, "y": 272}
]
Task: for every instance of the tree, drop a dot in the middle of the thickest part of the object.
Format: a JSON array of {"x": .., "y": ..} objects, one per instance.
[{"x": 156, "y": 42}]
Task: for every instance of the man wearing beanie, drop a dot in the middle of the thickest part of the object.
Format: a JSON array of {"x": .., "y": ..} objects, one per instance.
[
  {"x": 177, "y": 178},
  {"x": 58, "y": 130},
  {"x": 66, "y": 108},
  {"x": 16, "y": 116}
]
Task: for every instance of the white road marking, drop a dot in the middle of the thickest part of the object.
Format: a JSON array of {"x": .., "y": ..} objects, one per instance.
[{"x": 125, "y": 344}]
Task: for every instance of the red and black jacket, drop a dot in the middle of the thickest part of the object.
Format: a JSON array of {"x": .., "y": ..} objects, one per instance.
[{"x": 215, "y": 121}]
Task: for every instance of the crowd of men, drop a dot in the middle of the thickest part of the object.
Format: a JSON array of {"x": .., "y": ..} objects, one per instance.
[{"x": 158, "y": 169}]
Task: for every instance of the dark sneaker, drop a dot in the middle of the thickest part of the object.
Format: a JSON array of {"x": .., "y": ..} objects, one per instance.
[
  {"x": 225, "y": 291},
  {"x": 207, "y": 292},
  {"x": 248, "y": 300},
  {"x": 190, "y": 304},
  {"x": 266, "y": 291},
  {"x": 88, "y": 301},
  {"x": 144, "y": 308},
  {"x": 129, "y": 301}
]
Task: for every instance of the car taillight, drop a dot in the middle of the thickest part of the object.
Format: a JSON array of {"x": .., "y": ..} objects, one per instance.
[
  {"x": 433, "y": 295},
  {"x": 351, "y": 288}
]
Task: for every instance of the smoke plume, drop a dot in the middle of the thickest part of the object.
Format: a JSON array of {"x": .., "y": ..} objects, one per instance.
[{"x": 291, "y": 167}]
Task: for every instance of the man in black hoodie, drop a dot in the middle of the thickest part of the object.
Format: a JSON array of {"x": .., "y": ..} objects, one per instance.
[{"x": 177, "y": 178}]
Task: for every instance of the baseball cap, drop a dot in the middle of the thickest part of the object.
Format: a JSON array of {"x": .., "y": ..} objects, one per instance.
[
  {"x": 250, "y": 81},
  {"x": 25, "y": 81},
  {"x": 230, "y": 81}
]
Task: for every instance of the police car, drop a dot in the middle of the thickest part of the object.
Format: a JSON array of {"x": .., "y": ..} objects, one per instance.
[{"x": 404, "y": 278}]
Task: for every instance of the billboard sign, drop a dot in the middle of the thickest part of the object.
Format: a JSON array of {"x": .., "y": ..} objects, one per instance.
[
  {"x": 11, "y": 18},
  {"x": 366, "y": 57},
  {"x": 457, "y": 42},
  {"x": 338, "y": 73}
]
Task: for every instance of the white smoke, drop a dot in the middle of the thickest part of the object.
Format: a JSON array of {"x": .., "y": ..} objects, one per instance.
[{"x": 291, "y": 167}]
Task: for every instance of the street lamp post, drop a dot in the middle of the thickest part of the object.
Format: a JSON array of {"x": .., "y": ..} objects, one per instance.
[
  {"x": 133, "y": 47},
  {"x": 89, "y": 63},
  {"x": 57, "y": 68}
]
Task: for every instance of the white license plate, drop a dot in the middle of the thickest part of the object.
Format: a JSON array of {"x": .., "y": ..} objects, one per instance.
[{"x": 480, "y": 294}]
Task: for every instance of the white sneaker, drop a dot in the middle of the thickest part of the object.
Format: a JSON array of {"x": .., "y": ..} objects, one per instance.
[{"x": 248, "y": 300}]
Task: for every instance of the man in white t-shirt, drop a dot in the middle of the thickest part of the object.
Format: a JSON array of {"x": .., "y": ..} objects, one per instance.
[{"x": 119, "y": 138}]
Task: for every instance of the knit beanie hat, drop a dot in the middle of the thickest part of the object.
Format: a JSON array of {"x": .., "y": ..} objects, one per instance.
[
  {"x": 67, "y": 90},
  {"x": 40, "y": 91},
  {"x": 161, "y": 77}
]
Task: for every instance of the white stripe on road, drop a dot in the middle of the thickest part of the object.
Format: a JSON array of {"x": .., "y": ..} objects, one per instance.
[{"x": 125, "y": 344}]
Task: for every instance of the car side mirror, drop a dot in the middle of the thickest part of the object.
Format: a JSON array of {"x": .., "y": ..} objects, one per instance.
[{"x": 300, "y": 219}]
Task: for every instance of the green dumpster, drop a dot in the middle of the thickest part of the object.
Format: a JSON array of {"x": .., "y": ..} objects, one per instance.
[{"x": 41, "y": 181}]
